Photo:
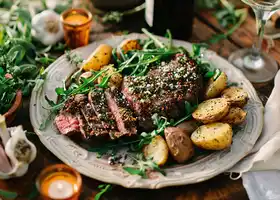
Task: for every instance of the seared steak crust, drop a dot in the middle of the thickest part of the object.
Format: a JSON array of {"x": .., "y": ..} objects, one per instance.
[
  {"x": 163, "y": 90},
  {"x": 99, "y": 105},
  {"x": 124, "y": 116}
]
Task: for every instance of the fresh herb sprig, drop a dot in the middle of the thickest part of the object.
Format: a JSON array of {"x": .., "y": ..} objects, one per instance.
[
  {"x": 104, "y": 188},
  {"x": 229, "y": 18},
  {"x": 21, "y": 61},
  {"x": 142, "y": 165}
]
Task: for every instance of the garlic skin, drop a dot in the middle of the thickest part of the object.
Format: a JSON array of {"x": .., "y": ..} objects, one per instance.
[
  {"x": 47, "y": 27},
  {"x": 20, "y": 151}
]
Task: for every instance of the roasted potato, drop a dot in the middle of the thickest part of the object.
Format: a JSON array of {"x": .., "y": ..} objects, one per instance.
[
  {"x": 215, "y": 87},
  {"x": 215, "y": 136},
  {"x": 211, "y": 110},
  {"x": 235, "y": 116},
  {"x": 188, "y": 126},
  {"x": 115, "y": 79},
  {"x": 179, "y": 144},
  {"x": 128, "y": 45},
  {"x": 99, "y": 58},
  {"x": 236, "y": 96},
  {"x": 157, "y": 150}
]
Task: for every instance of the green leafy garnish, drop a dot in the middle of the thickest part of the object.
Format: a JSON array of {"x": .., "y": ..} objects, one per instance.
[
  {"x": 141, "y": 166},
  {"x": 7, "y": 194},
  {"x": 104, "y": 188},
  {"x": 229, "y": 18}
]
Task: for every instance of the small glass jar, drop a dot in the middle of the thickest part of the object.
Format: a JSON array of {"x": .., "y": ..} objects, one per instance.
[
  {"x": 76, "y": 24},
  {"x": 59, "y": 182}
]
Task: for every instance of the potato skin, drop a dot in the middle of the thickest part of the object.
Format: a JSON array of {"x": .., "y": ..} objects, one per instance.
[
  {"x": 85, "y": 75},
  {"x": 211, "y": 110},
  {"x": 179, "y": 144},
  {"x": 235, "y": 116},
  {"x": 236, "y": 96},
  {"x": 157, "y": 150},
  {"x": 128, "y": 45},
  {"x": 188, "y": 126},
  {"x": 215, "y": 136},
  {"x": 215, "y": 87},
  {"x": 99, "y": 58},
  {"x": 116, "y": 78}
]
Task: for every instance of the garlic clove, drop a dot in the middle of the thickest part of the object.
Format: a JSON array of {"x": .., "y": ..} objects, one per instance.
[
  {"x": 5, "y": 165},
  {"x": 4, "y": 134},
  {"x": 19, "y": 148}
]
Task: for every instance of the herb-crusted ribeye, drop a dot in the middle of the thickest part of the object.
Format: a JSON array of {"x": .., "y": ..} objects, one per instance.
[
  {"x": 164, "y": 89},
  {"x": 98, "y": 103},
  {"x": 78, "y": 115}
]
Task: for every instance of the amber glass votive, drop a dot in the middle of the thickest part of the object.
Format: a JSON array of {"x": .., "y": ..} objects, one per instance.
[
  {"x": 76, "y": 25},
  {"x": 59, "y": 182}
]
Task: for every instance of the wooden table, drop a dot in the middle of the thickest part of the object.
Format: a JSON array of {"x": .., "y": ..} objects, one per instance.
[{"x": 218, "y": 188}]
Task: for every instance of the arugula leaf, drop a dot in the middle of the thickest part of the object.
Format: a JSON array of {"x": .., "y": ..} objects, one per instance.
[
  {"x": 209, "y": 74},
  {"x": 196, "y": 49},
  {"x": 8, "y": 195},
  {"x": 59, "y": 91},
  {"x": 105, "y": 188},
  {"x": 133, "y": 171}
]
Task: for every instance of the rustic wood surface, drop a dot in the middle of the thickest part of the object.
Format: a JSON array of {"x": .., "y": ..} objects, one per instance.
[{"x": 218, "y": 188}]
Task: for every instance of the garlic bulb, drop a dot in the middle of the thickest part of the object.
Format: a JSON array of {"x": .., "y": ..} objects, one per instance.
[
  {"x": 18, "y": 149},
  {"x": 47, "y": 27}
]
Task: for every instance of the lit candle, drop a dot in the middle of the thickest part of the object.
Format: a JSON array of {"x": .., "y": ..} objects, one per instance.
[{"x": 59, "y": 182}]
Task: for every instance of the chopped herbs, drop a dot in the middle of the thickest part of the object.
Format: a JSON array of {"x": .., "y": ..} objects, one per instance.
[{"x": 74, "y": 58}]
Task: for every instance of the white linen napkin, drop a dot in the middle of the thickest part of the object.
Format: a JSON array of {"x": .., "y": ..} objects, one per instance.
[{"x": 258, "y": 169}]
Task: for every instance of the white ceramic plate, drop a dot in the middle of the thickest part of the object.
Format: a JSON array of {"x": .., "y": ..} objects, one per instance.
[{"x": 87, "y": 163}]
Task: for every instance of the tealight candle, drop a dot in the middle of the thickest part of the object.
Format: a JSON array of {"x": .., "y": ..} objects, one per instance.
[
  {"x": 59, "y": 182},
  {"x": 76, "y": 25}
]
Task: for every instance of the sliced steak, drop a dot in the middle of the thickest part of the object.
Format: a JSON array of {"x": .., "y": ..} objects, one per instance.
[
  {"x": 98, "y": 102},
  {"x": 66, "y": 123},
  {"x": 125, "y": 119},
  {"x": 163, "y": 90}
]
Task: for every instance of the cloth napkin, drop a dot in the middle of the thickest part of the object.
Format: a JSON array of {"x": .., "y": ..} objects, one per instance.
[{"x": 259, "y": 169}]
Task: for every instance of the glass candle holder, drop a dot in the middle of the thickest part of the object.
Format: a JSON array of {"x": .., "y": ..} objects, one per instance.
[
  {"x": 76, "y": 24},
  {"x": 59, "y": 182}
]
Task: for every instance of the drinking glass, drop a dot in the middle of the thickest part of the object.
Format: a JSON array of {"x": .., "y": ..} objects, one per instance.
[{"x": 257, "y": 66}]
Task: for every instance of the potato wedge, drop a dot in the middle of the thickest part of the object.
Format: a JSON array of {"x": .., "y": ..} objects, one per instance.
[
  {"x": 157, "y": 150},
  {"x": 128, "y": 45},
  {"x": 179, "y": 144},
  {"x": 215, "y": 136},
  {"x": 116, "y": 78},
  {"x": 188, "y": 126},
  {"x": 235, "y": 116},
  {"x": 215, "y": 87},
  {"x": 99, "y": 58},
  {"x": 236, "y": 96},
  {"x": 211, "y": 110}
]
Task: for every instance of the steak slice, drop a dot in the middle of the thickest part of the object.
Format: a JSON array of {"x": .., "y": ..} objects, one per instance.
[
  {"x": 164, "y": 90},
  {"x": 117, "y": 103},
  {"x": 98, "y": 102},
  {"x": 67, "y": 124},
  {"x": 96, "y": 126}
]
